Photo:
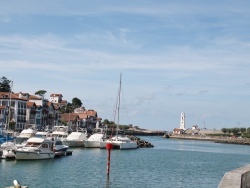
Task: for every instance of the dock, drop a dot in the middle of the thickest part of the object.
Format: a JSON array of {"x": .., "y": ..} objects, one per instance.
[{"x": 63, "y": 153}]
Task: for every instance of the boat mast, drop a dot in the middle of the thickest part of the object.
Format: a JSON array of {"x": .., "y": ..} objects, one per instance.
[
  {"x": 9, "y": 110},
  {"x": 118, "y": 104}
]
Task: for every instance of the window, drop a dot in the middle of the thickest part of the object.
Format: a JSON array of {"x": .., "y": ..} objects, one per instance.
[{"x": 45, "y": 146}]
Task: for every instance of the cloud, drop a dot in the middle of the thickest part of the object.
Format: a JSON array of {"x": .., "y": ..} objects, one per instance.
[
  {"x": 145, "y": 99},
  {"x": 203, "y": 91}
]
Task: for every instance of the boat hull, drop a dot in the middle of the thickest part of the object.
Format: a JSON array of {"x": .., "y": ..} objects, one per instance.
[
  {"x": 73, "y": 143},
  {"x": 91, "y": 144},
  {"x": 124, "y": 145},
  {"x": 8, "y": 154},
  {"x": 26, "y": 155}
]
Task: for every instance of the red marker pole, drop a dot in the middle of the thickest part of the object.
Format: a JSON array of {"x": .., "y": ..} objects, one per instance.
[{"x": 109, "y": 146}]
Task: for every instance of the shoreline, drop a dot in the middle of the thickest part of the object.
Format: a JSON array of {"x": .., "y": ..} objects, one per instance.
[{"x": 216, "y": 139}]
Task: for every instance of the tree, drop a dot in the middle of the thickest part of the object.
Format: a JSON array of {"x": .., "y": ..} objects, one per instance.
[
  {"x": 76, "y": 103},
  {"x": 235, "y": 130},
  {"x": 224, "y": 130},
  {"x": 41, "y": 93},
  {"x": 69, "y": 108},
  {"x": 106, "y": 121},
  {"x": 5, "y": 85},
  {"x": 242, "y": 129},
  {"x": 248, "y": 130}
]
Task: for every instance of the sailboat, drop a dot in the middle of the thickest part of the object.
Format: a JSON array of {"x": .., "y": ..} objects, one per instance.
[{"x": 120, "y": 141}]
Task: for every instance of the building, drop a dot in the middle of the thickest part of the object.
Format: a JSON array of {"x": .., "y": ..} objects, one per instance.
[
  {"x": 178, "y": 131},
  {"x": 182, "y": 121},
  {"x": 13, "y": 110},
  {"x": 55, "y": 98},
  {"x": 195, "y": 127},
  {"x": 182, "y": 128},
  {"x": 22, "y": 110},
  {"x": 31, "y": 112},
  {"x": 88, "y": 118},
  {"x": 72, "y": 120}
]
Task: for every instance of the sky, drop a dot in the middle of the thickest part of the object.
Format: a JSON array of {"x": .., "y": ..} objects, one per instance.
[{"x": 175, "y": 56}]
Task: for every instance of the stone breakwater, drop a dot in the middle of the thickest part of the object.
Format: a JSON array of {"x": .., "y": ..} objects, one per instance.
[
  {"x": 141, "y": 143},
  {"x": 231, "y": 140},
  {"x": 216, "y": 139}
]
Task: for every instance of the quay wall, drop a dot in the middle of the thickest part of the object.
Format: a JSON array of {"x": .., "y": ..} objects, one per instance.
[
  {"x": 139, "y": 133},
  {"x": 195, "y": 137},
  {"x": 144, "y": 133},
  {"x": 217, "y": 139},
  {"x": 238, "y": 178}
]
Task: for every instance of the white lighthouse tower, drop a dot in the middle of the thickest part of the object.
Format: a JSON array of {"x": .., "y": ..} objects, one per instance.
[{"x": 182, "y": 122}]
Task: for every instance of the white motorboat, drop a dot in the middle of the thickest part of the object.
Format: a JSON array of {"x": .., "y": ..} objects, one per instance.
[
  {"x": 40, "y": 134},
  {"x": 7, "y": 150},
  {"x": 8, "y": 154},
  {"x": 60, "y": 132},
  {"x": 24, "y": 136},
  {"x": 59, "y": 146},
  {"x": 36, "y": 148},
  {"x": 75, "y": 139},
  {"x": 94, "y": 140}
]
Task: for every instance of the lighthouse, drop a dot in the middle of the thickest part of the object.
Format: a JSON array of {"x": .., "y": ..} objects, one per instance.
[{"x": 182, "y": 122}]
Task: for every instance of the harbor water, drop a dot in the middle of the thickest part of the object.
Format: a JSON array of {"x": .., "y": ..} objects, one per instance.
[{"x": 171, "y": 163}]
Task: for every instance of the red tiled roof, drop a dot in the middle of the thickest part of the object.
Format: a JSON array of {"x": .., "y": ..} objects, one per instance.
[
  {"x": 35, "y": 97},
  {"x": 69, "y": 117},
  {"x": 55, "y": 95},
  {"x": 31, "y": 104},
  {"x": 91, "y": 113},
  {"x": 83, "y": 115},
  {"x": 7, "y": 95}
]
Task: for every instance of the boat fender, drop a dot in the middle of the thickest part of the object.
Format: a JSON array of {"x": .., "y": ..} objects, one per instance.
[{"x": 16, "y": 184}]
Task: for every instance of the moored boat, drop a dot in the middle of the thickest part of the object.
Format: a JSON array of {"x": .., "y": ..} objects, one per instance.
[
  {"x": 94, "y": 140},
  {"x": 36, "y": 148},
  {"x": 123, "y": 142},
  {"x": 24, "y": 136},
  {"x": 76, "y": 139},
  {"x": 120, "y": 141},
  {"x": 7, "y": 150},
  {"x": 59, "y": 146},
  {"x": 60, "y": 132}
]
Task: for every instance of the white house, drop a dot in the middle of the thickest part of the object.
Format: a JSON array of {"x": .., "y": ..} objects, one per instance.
[
  {"x": 55, "y": 98},
  {"x": 17, "y": 109}
]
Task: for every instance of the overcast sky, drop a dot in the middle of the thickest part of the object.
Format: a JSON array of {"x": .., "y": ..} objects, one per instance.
[{"x": 177, "y": 56}]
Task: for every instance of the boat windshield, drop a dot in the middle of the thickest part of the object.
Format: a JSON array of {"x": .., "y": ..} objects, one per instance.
[
  {"x": 20, "y": 140},
  {"x": 33, "y": 144},
  {"x": 58, "y": 142}
]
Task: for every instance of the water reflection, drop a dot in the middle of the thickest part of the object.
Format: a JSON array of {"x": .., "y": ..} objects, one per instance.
[{"x": 107, "y": 182}]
